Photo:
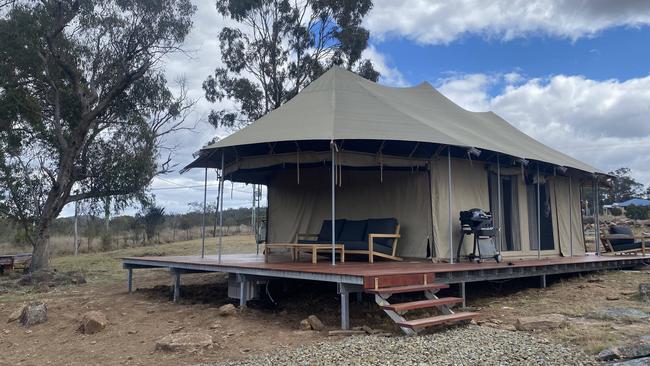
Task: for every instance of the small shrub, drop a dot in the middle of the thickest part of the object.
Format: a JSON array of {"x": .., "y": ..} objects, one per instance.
[
  {"x": 616, "y": 211},
  {"x": 637, "y": 212}
]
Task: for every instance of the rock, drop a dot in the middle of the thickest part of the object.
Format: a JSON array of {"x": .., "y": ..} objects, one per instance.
[
  {"x": 645, "y": 361},
  {"x": 342, "y": 332},
  {"x": 180, "y": 342},
  {"x": 33, "y": 313},
  {"x": 625, "y": 314},
  {"x": 227, "y": 310},
  {"x": 634, "y": 350},
  {"x": 644, "y": 292},
  {"x": 541, "y": 322},
  {"x": 93, "y": 322},
  {"x": 612, "y": 298},
  {"x": 315, "y": 323},
  {"x": 215, "y": 325},
  {"x": 16, "y": 314},
  {"x": 609, "y": 354},
  {"x": 305, "y": 325}
]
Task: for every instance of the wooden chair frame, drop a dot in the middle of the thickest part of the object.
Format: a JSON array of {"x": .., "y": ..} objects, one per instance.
[
  {"x": 607, "y": 244},
  {"x": 371, "y": 244}
]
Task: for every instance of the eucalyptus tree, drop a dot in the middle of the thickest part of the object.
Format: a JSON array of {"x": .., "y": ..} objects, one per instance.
[
  {"x": 276, "y": 47},
  {"x": 84, "y": 106}
]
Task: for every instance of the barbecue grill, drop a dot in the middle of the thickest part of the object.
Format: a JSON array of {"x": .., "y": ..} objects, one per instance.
[{"x": 479, "y": 224}]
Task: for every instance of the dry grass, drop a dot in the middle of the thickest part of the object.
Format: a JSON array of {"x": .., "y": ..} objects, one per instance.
[
  {"x": 63, "y": 245},
  {"x": 576, "y": 297},
  {"x": 107, "y": 267}
]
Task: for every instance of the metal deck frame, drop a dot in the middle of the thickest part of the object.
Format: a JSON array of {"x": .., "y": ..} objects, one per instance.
[{"x": 347, "y": 284}]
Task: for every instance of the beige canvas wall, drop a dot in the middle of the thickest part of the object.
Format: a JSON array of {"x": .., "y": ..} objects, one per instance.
[
  {"x": 566, "y": 203},
  {"x": 301, "y": 208},
  {"x": 469, "y": 190}
]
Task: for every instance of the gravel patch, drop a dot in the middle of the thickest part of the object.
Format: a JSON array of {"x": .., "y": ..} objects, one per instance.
[{"x": 468, "y": 345}]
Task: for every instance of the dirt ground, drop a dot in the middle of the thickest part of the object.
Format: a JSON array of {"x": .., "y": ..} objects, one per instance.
[{"x": 139, "y": 319}]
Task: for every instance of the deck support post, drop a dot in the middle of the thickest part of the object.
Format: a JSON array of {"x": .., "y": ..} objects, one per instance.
[
  {"x": 462, "y": 293},
  {"x": 345, "y": 290},
  {"x": 176, "y": 273},
  {"x": 542, "y": 281},
  {"x": 129, "y": 281},
  {"x": 243, "y": 291}
]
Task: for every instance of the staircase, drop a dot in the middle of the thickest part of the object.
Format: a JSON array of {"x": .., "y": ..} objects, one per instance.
[{"x": 384, "y": 286}]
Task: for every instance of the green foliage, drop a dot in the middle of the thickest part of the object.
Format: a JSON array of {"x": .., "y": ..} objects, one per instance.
[
  {"x": 615, "y": 211},
  {"x": 637, "y": 212},
  {"x": 152, "y": 219},
  {"x": 83, "y": 107},
  {"x": 278, "y": 47},
  {"x": 624, "y": 187}
]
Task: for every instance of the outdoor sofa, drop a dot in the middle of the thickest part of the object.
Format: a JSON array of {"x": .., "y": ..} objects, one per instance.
[
  {"x": 372, "y": 237},
  {"x": 621, "y": 239}
]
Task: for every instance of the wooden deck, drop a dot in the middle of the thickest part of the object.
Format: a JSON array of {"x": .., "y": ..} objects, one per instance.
[
  {"x": 360, "y": 272},
  {"x": 246, "y": 270}
]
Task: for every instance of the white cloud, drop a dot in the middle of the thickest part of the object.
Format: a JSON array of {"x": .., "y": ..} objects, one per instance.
[
  {"x": 441, "y": 22},
  {"x": 389, "y": 75},
  {"x": 605, "y": 123}
]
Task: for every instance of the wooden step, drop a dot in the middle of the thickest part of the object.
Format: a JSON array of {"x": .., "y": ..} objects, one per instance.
[
  {"x": 403, "y": 289},
  {"x": 398, "y": 280},
  {"x": 422, "y": 304},
  {"x": 437, "y": 320}
]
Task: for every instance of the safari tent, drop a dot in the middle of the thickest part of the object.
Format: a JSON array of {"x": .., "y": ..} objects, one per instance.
[{"x": 348, "y": 148}]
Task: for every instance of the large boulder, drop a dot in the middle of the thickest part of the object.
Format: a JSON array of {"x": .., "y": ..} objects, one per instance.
[
  {"x": 541, "y": 322},
  {"x": 180, "y": 342},
  {"x": 620, "y": 314},
  {"x": 93, "y": 322},
  {"x": 227, "y": 310},
  {"x": 315, "y": 323},
  {"x": 16, "y": 314},
  {"x": 34, "y": 313}
]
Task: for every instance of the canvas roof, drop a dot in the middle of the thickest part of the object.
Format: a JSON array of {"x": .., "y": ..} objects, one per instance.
[{"x": 341, "y": 105}]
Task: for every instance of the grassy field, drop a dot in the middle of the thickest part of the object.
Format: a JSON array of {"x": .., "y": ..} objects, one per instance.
[{"x": 107, "y": 267}]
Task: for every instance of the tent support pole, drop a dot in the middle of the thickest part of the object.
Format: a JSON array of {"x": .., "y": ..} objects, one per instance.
[
  {"x": 539, "y": 213},
  {"x": 333, "y": 176},
  {"x": 221, "y": 209},
  {"x": 451, "y": 240},
  {"x": 596, "y": 216},
  {"x": 570, "y": 217},
  {"x": 205, "y": 196},
  {"x": 499, "y": 213}
]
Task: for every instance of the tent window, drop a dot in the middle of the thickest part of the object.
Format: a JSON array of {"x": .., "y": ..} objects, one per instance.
[
  {"x": 546, "y": 219},
  {"x": 506, "y": 217}
]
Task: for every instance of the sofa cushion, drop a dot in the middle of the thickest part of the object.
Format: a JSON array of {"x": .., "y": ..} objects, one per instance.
[
  {"x": 325, "y": 234},
  {"x": 363, "y": 245},
  {"x": 353, "y": 231},
  {"x": 621, "y": 229},
  {"x": 620, "y": 239},
  {"x": 627, "y": 246},
  {"x": 382, "y": 226}
]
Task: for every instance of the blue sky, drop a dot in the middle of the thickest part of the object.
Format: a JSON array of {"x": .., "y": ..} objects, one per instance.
[
  {"x": 618, "y": 53},
  {"x": 573, "y": 74}
]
